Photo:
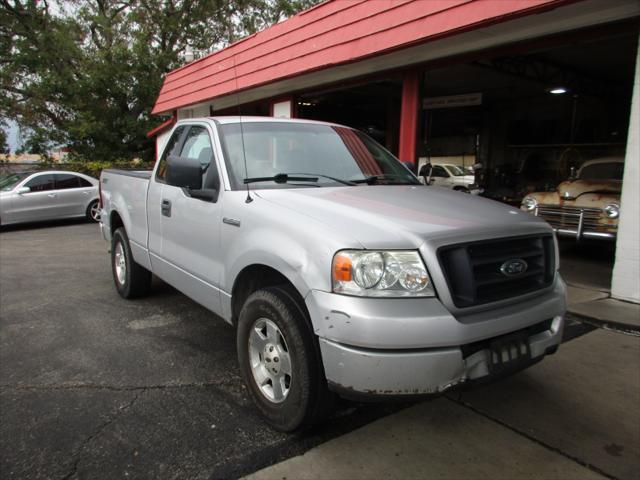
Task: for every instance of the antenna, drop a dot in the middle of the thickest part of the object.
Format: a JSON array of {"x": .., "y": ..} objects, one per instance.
[{"x": 244, "y": 152}]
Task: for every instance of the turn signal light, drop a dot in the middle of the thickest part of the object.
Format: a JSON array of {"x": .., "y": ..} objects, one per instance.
[{"x": 341, "y": 268}]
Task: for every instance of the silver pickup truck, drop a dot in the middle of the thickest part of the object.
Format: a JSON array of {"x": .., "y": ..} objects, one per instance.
[{"x": 341, "y": 273}]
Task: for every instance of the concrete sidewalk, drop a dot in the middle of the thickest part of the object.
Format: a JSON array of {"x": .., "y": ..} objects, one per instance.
[
  {"x": 575, "y": 415},
  {"x": 597, "y": 307}
]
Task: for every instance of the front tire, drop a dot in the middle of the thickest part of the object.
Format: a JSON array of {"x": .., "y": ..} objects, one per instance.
[
  {"x": 280, "y": 360},
  {"x": 131, "y": 279}
]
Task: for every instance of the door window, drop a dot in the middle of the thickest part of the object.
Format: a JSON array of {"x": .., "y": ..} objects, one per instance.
[
  {"x": 197, "y": 145},
  {"x": 171, "y": 149},
  {"x": 84, "y": 183},
  {"x": 41, "y": 183},
  {"x": 66, "y": 180},
  {"x": 439, "y": 171}
]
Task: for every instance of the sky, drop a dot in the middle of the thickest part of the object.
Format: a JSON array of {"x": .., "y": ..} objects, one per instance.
[{"x": 12, "y": 135}]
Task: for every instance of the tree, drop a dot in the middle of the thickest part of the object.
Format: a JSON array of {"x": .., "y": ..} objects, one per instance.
[
  {"x": 4, "y": 145},
  {"x": 86, "y": 73}
]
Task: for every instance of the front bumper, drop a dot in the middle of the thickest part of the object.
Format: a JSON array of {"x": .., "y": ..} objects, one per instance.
[
  {"x": 360, "y": 374},
  {"x": 397, "y": 347},
  {"x": 586, "y": 234}
]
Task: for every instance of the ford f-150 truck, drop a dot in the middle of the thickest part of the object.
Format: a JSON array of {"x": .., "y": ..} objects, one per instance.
[{"x": 341, "y": 273}]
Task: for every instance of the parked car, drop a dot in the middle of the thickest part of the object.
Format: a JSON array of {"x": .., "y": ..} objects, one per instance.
[
  {"x": 587, "y": 206},
  {"x": 449, "y": 176},
  {"x": 47, "y": 195},
  {"x": 314, "y": 242}
]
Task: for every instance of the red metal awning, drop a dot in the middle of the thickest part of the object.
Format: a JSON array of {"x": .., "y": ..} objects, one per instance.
[{"x": 332, "y": 33}]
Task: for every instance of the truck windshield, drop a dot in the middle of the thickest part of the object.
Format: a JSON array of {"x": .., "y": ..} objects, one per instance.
[
  {"x": 337, "y": 156},
  {"x": 7, "y": 182}
]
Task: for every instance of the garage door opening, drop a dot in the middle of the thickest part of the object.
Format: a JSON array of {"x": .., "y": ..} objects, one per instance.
[
  {"x": 373, "y": 108},
  {"x": 533, "y": 119}
]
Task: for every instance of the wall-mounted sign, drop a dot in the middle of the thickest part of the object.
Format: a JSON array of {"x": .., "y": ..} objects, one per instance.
[{"x": 449, "y": 101}]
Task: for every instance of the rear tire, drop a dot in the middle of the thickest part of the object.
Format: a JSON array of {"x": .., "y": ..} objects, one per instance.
[
  {"x": 93, "y": 212},
  {"x": 280, "y": 360},
  {"x": 131, "y": 279}
]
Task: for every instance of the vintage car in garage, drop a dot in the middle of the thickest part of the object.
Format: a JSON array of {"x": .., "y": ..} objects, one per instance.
[{"x": 586, "y": 206}]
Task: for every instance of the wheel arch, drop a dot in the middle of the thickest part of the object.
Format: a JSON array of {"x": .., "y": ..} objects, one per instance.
[
  {"x": 115, "y": 221},
  {"x": 257, "y": 276}
]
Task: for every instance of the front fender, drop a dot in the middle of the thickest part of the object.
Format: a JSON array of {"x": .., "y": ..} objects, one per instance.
[{"x": 290, "y": 258}]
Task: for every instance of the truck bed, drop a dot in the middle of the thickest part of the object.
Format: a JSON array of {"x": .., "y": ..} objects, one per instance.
[{"x": 125, "y": 192}]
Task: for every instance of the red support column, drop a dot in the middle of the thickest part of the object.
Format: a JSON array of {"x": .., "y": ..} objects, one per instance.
[{"x": 409, "y": 116}]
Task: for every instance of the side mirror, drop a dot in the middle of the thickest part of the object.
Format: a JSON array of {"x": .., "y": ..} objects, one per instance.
[
  {"x": 184, "y": 172},
  {"x": 23, "y": 190}
]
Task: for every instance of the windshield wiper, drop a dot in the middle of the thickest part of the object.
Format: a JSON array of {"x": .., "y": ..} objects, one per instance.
[
  {"x": 280, "y": 178},
  {"x": 385, "y": 176},
  {"x": 339, "y": 180}
]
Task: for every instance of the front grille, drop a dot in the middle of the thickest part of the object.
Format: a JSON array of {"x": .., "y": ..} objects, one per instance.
[
  {"x": 473, "y": 270},
  {"x": 560, "y": 216}
]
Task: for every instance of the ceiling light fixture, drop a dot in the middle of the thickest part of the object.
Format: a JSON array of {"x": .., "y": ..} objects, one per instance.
[{"x": 558, "y": 90}]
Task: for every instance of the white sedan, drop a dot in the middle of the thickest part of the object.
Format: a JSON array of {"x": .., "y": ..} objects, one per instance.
[{"x": 47, "y": 195}]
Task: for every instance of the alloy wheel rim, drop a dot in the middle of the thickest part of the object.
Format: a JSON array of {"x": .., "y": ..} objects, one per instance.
[
  {"x": 95, "y": 212},
  {"x": 269, "y": 360},
  {"x": 120, "y": 263}
]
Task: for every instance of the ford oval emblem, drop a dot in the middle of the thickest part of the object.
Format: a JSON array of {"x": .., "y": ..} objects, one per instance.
[{"x": 514, "y": 267}]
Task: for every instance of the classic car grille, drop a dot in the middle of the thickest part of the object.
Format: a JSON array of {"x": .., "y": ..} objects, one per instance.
[
  {"x": 473, "y": 270},
  {"x": 569, "y": 217}
]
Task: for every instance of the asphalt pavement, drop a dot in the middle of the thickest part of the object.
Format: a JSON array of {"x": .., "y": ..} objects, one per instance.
[{"x": 93, "y": 386}]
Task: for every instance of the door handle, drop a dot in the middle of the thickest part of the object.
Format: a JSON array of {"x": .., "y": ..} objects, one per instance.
[
  {"x": 166, "y": 208},
  {"x": 51, "y": 195}
]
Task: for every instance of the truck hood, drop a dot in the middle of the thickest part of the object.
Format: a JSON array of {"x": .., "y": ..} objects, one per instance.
[
  {"x": 574, "y": 188},
  {"x": 402, "y": 216}
]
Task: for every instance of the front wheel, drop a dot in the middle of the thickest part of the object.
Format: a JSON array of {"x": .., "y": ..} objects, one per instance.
[
  {"x": 280, "y": 362},
  {"x": 131, "y": 279},
  {"x": 93, "y": 211}
]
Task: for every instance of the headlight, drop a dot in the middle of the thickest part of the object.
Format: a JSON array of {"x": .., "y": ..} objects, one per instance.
[
  {"x": 529, "y": 204},
  {"x": 612, "y": 210},
  {"x": 368, "y": 273}
]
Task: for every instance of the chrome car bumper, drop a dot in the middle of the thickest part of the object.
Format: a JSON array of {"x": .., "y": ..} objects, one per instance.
[{"x": 580, "y": 234}]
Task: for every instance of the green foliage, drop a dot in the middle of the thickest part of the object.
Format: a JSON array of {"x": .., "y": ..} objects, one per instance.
[
  {"x": 86, "y": 73},
  {"x": 4, "y": 145}
]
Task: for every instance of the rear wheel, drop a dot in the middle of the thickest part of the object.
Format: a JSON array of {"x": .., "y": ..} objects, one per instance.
[
  {"x": 93, "y": 211},
  {"x": 280, "y": 361},
  {"x": 131, "y": 279}
]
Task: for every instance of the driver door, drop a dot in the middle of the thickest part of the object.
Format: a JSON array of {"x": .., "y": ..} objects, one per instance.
[
  {"x": 191, "y": 227},
  {"x": 440, "y": 176}
]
